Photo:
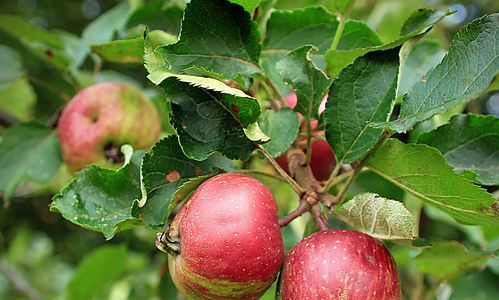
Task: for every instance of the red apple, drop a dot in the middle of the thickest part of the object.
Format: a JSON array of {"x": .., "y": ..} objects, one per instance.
[
  {"x": 322, "y": 160},
  {"x": 229, "y": 244},
  {"x": 100, "y": 119},
  {"x": 339, "y": 264}
]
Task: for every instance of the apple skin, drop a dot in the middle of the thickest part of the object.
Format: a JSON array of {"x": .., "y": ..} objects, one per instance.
[
  {"x": 339, "y": 264},
  {"x": 322, "y": 160},
  {"x": 106, "y": 115},
  {"x": 230, "y": 240}
]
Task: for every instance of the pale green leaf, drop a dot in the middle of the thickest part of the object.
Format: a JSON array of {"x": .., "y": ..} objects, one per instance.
[
  {"x": 447, "y": 259},
  {"x": 380, "y": 217}
]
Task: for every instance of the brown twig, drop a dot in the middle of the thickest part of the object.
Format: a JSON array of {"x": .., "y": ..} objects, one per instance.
[{"x": 303, "y": 207}]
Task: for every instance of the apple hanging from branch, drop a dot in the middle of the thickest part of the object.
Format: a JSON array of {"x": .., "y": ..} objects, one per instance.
[
  {"x": 100, "y": 119},
  {"x": 339, "y": 264},
  {"x": 225, "y": 242}
]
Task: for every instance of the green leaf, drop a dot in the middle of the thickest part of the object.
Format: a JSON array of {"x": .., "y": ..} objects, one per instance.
[
  {"x": 249, "y": 5},
  {"x": 422, "y": 171},
  {"x": 454, "y": 81},
  {"x": 217, "y": 37},
  {"x": 309, "y": 83},
  {"x": 424, "y": 56},
  {"x": 363, "y": 92},
  {"x": 314, "y": 25},
  {"x": 380, "y": 217},
  {"x": 208, "y": 120},
  {"x": 12, "y": 65},
  {"x": 447, "y": 259},
  {"x": 469, "y": 143},
  {"x": 342, "y": 5},
  {"x": 157, "y": 15},
  {"x": 104, "y": 28},
  {"x": 419, "y": 22},
  {"x": 28, "y": 151},
  {"x": 42, "y": 43},
  {"x": 123, "y": 51},
  {"x": 477, "y": 286},
  {"x": 132, "y": 50},
  {"x": 18, "y": 99},
  {"x": 100, "y": 199},
  {"x": 96, "y": 272},
  {"x": 291, "y": 29},
  {"x": 168, "y": 176},
  {"x": 282, "y": 128},
  {"x": 422, "y": 18},
  {"x": 24, "y": 31}
]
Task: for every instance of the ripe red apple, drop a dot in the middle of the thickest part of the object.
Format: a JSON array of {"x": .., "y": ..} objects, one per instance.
[
  {"x": 339, "y": 264},
  {"x": 229, "y": 244},
  {"x": 100, "y": 119},
  {"x": 322, "y": 160}
]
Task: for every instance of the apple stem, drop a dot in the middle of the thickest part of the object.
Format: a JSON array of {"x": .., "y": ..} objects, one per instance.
[{"x": 168, "y": 244}]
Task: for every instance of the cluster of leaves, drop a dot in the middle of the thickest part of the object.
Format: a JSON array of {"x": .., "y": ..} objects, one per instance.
[{"x": 224, "y": 77}]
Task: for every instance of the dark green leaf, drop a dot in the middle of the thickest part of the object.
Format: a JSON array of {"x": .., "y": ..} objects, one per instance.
[
  {"x": 282, "y": 128},
  {"x": 96, "y": 272},
  {"x": 420, "y": 22},
  {"x": 422, "y": 171},
  {"x": 363, "y": 92},
  {"x": 209, "y": 121},
  {"x": 309, "y": 83},
  {"x": 465, "y": 73},
  {"x": 289, "y": 30},
  {"x": 28, "y": 151},
  {"x": 422, "y": 18},
  {"x": 158, "y": 15},
  {"x": 469, "y": 143},
  {"x": 447, "y": 259},
  {"x": 100, "y": 199},
  {"x": 168, "y": 176},
  {"x": 217, "y": 37}
]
